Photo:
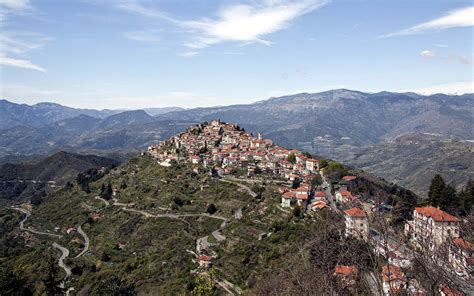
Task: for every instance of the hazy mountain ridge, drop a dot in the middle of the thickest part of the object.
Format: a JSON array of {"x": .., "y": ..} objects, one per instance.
[
  {"x": 337, "y": 124},
  {"x": 412, "y": 160},
  {"x": 23, "y": 180}
]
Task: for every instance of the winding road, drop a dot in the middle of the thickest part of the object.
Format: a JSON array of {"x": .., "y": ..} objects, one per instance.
[
  {"x": 86, "y": 241},
  {"x": 65, "y": 253},
  {"x": 22, "y": 224}
]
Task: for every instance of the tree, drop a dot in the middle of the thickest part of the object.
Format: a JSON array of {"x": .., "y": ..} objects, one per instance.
[
  {"x": 123, "y": 185},
  {"x": 106, "y": 191},
  {"x": 211, "y": 208},
  {"x": 51, "y": 280},
  {"x": 202, "y": 286},
  {"x": 12, "y": 283},
  {"x": 297, "y": 212},
  {"x": 436, "y": 189},
  {"x": 291, "y": 158}
]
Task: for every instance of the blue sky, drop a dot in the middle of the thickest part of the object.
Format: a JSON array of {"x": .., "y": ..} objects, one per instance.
[{"x": 189, "y": 53}]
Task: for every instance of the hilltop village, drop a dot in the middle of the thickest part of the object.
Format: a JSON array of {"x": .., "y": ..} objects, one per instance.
[{"x": 228, "y": 152}]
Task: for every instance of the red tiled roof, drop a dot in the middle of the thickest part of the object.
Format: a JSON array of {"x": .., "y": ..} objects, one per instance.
[
  {"x": 436, "y": 214},
  {"x": 345, "y": 193},
  {"x": 450, "y": 292},
  {"x": 288, "y": 195},
  {"x": 463, "y": 244},
  {"x": 320, "y": 194},
  {"x": 205, "y": 258},
  {"x": 349, "y": 178},
  {"x": 392, "y": 273},
  {"x": 345, "y": 270},
  {"x": 356, "y": 212}
]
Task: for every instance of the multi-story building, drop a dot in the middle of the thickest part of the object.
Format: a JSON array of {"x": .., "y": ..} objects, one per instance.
[
  {"x": 431, "y": 228},
  {"x": 461, "y": 256},
  {"x": 357, "y": 223},
  {"x": 394, "y": 280}
]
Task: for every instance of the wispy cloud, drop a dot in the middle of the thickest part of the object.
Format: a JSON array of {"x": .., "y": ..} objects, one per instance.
[
  {"x": 247, "y": 23},
  {"x": 427, "y": 54},
  {"x": 15, "y": 43},
  {"x": 143, "y": 36},
  {"x": 12, "y": 62},
  {"x": 463, "y": 17},
  {"x": 189, "y": 54},
  {"x": 15, "y": 4}
]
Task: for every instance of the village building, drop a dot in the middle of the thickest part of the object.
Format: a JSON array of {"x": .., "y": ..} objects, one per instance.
[
  {"x": 431, "y": 227},
  {"x": 461, "y": 256},
  {"x": 357, "y": 223},
  {"x": 393, "y": 280},
  {"x": 287, "y": 199},
  {"x": 346, "y": 274},
  {"x": 344, "y": 196}
]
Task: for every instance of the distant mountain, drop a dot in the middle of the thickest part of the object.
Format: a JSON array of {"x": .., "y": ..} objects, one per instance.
[
  {"x": 412, "y": 160},
  {"x": 21, "y": 180},
  {"x": 40, "y": 114},
  {"x": 126, "y": 118},
  {"x": 324, "y": 121},
  {"x": 337, "y": 124},
  {"x": 158, "y": 111}
]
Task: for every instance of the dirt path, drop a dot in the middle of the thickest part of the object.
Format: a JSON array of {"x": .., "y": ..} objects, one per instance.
[
  {"x": 245, "y": 187},
  {"x": 106, "y": 202},
  {"x": 86, "y": 241}
]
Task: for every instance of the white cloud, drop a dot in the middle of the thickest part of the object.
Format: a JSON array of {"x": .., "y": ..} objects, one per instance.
[
  {"x": 16, "y": 43},
  {"x": 427, "y": 54},
  {"x": 463, "y": 17},
  {"x": 441, "y": 45},
  {"x": 143, "y": 36},
  {"x": 249, "y": 23},
  {"x": 15, "y": 4},
  {"x": 189, "y": 54},
  {"x": 448, "y": 88},
  {"x": 12, "y": 62}
]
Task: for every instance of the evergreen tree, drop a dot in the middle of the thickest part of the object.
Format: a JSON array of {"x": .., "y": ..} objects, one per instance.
[
  {"x": 436, "y": 190},
  {"x": 51, "y": 281},
  {"x": 448, "y": 201}
]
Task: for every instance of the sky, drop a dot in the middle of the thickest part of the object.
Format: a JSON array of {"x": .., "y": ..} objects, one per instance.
[{"x": 197, "y": 53}]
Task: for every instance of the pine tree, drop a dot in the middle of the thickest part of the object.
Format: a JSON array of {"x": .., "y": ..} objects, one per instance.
[{"x": 436, "y": 190}]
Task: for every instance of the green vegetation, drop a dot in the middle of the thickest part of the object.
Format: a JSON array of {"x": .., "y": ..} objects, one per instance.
[{"x": 448, "y": 199}]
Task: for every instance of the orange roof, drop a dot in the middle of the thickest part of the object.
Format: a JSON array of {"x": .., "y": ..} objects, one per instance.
[
  {"x": 463, "y": 244},
  {"x": 450, "y": 292},
  {"x": 320, "y": 194},
  {"x": 205, "y": 258},
  {"x": 356, "y": 212},
  {"x": 288, "y": 195},
  {"x": 436, "y": 214},
  {"x": 392, "y": 273},
  {"x": 319, "y": 205},
  {"x": 349, "y": 178},
  {"x": 345, "y": 193},
  {"x": 345, "y": 270}
]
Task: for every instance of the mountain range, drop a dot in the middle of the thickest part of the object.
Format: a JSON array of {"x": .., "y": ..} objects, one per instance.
[{"x": 340, "y": 124}]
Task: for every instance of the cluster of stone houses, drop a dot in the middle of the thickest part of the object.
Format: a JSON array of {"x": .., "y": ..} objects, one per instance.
[{"x": 226, "y": 146}]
